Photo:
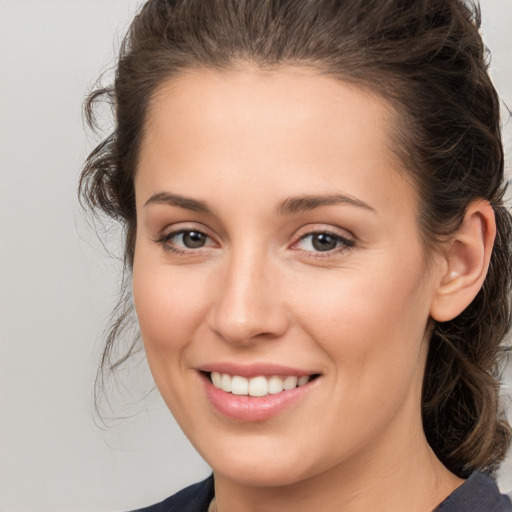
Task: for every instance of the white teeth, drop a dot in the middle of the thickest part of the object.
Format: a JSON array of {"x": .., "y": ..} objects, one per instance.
[
  {"x": 275, "y": 385},
  {"x": 303, "y": 380},
  {"x": 239, "y": 385},
  {"x": 217, "y": 379},
  {"x": 290, "y": 382},
  {"x": 225, "y": 383},
  {"x": 256, "y": 386}
]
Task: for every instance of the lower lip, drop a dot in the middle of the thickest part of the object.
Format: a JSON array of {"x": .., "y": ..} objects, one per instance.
[{"x": 251, "y": 408}]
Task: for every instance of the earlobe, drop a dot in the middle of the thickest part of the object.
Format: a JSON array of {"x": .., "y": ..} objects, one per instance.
[{"x": 465, "y": 262}]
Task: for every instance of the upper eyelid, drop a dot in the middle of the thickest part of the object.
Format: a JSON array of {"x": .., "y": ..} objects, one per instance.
[
  {"x": 331, "y": 230},
  {"x": 185, "y": 230},
  {"x": 324, "y": 231},
  {"x": 175, "y": 229},
  {"x": 181, "y": 231},
  {"x": 303, "y": 232},
  {"x": 163, "y": 237},
  {"x": 164, "y": 242},
  {"x": 344, "y": 245},
  {"x": 341, "y": 238}
]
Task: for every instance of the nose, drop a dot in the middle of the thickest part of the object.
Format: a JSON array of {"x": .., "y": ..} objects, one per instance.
[{"x": 248, "y": 304}]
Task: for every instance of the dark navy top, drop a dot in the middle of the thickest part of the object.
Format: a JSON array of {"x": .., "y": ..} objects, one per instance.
[
  {"x": 477, "y": 494},
  {"x": 195, "y": 498}
]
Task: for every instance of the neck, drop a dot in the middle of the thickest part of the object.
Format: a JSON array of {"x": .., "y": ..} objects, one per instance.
[{"x": 398, "y": 476}]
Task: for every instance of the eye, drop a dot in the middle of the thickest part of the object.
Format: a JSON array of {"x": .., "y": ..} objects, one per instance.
[
  {"x": 185, "y": 240},
  {"x": 190, "y": 239},
  {"x": 323, "y": 241}
]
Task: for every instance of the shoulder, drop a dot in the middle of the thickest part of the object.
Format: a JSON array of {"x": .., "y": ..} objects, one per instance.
[
  {"x": 195, "y": 498},
  {"x": 478, "y": 493}
]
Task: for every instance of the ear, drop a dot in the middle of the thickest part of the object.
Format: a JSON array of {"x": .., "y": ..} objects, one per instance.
[{"x": 465, "y": 261}]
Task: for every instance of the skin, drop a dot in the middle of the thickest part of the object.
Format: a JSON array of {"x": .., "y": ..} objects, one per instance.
[{"x": 243, "y": 142}]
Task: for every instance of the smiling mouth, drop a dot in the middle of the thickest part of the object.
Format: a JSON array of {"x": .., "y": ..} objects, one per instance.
[{"x": 257, "y": 386}]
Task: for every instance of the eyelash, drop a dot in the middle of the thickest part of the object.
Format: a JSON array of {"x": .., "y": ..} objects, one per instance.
[
  {"x": 343, "y": 244},
  {"x": 165, "y": 238}
]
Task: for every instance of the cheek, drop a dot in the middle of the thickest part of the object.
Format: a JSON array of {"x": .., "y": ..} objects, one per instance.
[
  {"x": 168, "y": 302},
  {"x": 170, "y": 306},
  {"x": 371, "y": 322}
]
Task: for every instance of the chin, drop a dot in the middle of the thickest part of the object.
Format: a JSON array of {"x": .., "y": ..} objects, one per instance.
[
  {"x": 253, "y": 474},
  {"x": 260, "y": 462}
]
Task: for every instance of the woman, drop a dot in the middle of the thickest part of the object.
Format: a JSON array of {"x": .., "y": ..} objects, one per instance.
[{"x": 318, "y": 248}]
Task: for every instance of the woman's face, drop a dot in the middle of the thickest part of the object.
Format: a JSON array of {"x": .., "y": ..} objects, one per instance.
[{"x": 277, "y": 245}]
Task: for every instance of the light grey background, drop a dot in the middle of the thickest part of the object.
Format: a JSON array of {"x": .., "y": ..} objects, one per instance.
[{"x": 57, "y": 285}]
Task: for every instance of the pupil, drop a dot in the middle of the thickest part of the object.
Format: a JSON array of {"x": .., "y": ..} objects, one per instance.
[
  {"x": 193, "y": 239},
  {"x": 324, "y": 242}
]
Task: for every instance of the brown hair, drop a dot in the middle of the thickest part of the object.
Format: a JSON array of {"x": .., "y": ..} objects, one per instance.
[{"x": 427, "y": 59}]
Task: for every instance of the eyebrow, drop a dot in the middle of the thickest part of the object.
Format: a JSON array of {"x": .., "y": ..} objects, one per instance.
[
  {"x": 305, "y": 203},
  {"x": 176, "y": 200},
  {"x": 289, "y": 206}
]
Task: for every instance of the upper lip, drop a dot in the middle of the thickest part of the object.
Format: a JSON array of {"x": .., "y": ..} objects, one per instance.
[{"x": 254, "y": 369}]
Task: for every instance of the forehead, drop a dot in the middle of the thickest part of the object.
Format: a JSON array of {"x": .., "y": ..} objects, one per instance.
[
  {"x": 284, "y": 93},
  {"x": 291, "y": 127}
]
